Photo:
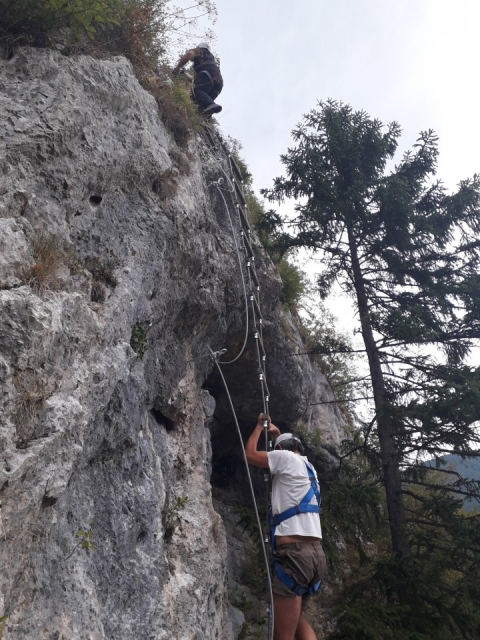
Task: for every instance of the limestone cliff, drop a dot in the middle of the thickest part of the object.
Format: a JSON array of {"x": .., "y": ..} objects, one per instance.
[{"x": 117, "y": 269}]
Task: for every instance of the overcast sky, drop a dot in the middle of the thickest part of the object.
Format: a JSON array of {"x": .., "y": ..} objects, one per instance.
[{"x": 412, "y": 61}]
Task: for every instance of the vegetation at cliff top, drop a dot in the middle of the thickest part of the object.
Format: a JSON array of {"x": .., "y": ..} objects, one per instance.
[
  {"x": 408, "y": 255},
  {"x": 145, "y": 31}
]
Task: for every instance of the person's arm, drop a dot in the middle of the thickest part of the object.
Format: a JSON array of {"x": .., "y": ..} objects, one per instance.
[
  {"x": 187, "y": 57},
  {"x": 259, "y": 458}
]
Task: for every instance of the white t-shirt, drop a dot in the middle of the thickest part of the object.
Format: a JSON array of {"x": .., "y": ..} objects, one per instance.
[{"x": 290, "y": 485}]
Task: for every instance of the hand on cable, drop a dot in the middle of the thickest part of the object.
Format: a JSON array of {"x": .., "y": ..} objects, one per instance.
[{"x": 273, "y": 430}]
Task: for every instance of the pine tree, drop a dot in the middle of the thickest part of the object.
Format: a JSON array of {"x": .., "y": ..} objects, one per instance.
[{"x": 408, "y": 254}]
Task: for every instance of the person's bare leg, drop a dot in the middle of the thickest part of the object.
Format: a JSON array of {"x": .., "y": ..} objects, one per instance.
[
  {"x": 304, "y": 630},
  {"x": 287, "y": 613}
]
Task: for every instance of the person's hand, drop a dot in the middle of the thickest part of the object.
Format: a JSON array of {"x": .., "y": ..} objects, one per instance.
[{"x": 273, "y": 431}]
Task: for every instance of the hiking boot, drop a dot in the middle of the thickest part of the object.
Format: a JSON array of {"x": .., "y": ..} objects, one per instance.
[{"x": 212, "y": 108}]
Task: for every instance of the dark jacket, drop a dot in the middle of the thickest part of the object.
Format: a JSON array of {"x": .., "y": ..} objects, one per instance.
[{"x": 204, "y": 61}]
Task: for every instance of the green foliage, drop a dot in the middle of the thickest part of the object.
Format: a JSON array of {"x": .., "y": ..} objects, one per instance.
[
  {"x": 408, "y": 254},
  {"x": 247, "y": 176},
  {"x": 293, "y": 282},
  {"x": 247, "y": 521},
  {"x": 266, "y": 224},
  {"x": 34, "y": 21},
  {"x": 138, "y": 340},
  {"x": 432, "y": 594},
  {"x": 3, "y": 620},
  {"x": 334, "y": 352},
  {"x": 86, "y": 539},
  {"x": 181, "y": 96},
  {"x": 145, "y": 31},
  {"x": 469, "y": 468},
  {"x": 353, "y": 511},
  {"x": 181, "y": 503},
  {"x": 139, "y": 34},
  {"x": 177, "y": 111},
  {"x": 312, "y": 439}
]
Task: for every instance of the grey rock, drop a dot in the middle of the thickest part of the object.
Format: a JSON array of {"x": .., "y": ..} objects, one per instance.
[
  {"x": 235, "y": 621},
  {"x": 111, "y": 426},
  {"x": 14, "y": 257}
]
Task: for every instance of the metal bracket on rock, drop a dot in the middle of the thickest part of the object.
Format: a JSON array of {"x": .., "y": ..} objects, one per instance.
[{"x": 216, "y": 354}]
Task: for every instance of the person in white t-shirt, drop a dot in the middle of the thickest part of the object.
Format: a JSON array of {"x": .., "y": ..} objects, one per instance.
[{"x": 299, "y": 560}]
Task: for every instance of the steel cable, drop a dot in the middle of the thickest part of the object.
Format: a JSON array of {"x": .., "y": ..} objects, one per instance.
[
  {"x": 243, "y": 281},
  {"x": 257, "y": 516},
  {"x": 262, "y": 374}
]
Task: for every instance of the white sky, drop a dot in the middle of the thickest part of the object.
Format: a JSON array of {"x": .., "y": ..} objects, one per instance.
[{"x": 413, "y": 61}]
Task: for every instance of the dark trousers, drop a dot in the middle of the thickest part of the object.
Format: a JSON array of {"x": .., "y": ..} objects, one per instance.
[{"x": 206, "y": 88}]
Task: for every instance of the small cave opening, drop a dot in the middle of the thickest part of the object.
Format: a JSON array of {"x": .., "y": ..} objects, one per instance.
[
  {"x": 95, "y": 200},
  {"x": 142, "y": 536},
  {"x": 168, "y": 532},
  {"x": 48, "y": 502},
  {"x": 162, "y": 420},
  {"x": 98, "y": 292},
  {"x": 229, "y": 472},
  {"x": 229, "y": 478}
]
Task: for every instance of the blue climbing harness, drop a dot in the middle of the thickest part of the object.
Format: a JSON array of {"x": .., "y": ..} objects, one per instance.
[{"x": 303, "y": 507}]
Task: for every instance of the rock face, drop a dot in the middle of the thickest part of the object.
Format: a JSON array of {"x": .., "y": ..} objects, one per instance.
[{"x": 117, "y": 269}]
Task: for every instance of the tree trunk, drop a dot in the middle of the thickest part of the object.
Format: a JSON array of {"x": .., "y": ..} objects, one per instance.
[{"x": 388, "y": 451}]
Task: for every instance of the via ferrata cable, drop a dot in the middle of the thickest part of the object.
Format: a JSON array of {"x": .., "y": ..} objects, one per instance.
[
  {"x": 257, "y": 516},
  {"x": 237, "y": 248},
  {"x": 237, "y": 191}
]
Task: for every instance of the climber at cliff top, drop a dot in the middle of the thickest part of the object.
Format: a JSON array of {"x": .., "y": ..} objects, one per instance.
[
  {"x": 207, "y": 82},
  {"x": 299, "y": 564}
]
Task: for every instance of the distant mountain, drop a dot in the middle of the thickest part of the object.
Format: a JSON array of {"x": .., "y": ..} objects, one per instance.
[{"x": 469, "y": 469}]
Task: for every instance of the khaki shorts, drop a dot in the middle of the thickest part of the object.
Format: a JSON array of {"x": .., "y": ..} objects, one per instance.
[{"x": 303, "y": 561}]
